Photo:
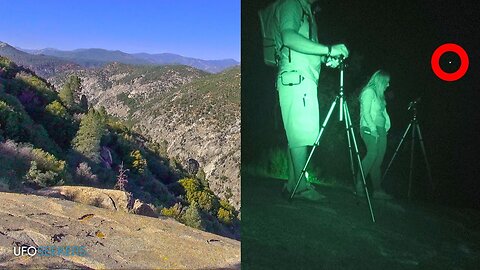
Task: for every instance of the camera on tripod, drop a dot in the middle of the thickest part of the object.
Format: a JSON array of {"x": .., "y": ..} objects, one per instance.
[
  {"x": 413, "y": 104},
  {"x": 335, "y": 62}
]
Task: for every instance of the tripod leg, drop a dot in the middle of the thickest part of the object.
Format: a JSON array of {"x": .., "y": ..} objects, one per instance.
[
  {"x": 350, "y": 129},
  {"x": 314, "y": 146},
  {"x": 411, "y": 160},
  {"x": 425, "y": 156},
  {"x": 350, "y": 150},
  {"x": 396, "y": 150}
]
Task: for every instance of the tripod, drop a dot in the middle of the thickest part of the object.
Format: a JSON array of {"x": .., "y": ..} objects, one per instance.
[
  {"x": 344, "y": 113},
  {"x": 415, "y": 128}
]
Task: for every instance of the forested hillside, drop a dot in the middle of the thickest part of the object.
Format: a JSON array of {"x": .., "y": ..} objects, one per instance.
[
  {"x": 190, "y": 113},
  {"x": 50, "y": 138}
]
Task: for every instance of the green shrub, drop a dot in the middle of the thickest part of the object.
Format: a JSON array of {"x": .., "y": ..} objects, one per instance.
[
  {"x": 48, "y": 162},
  {"x": 11, "y": 122},
  {"x": 33, "y": 82},
  {"x": 175, "y": 211},
  {"x": 56, "y": 108},
  {"x": 206, "y": 200},
  {"x": 201, "y": 175},
  {"x": 139, "y": 164},
  {"x": 59, "y": 124},
  {"x": 7, "y": 68},
  {"x": 17, "y": 125},
  {"x": 158, "y": 168},
  {"x": 40, "y": 177},
  {"x": 117, "y": 126},
  {"x": 158, "y": 188},
  {"x": 192, "y": 217},
  {"x": 225, "y": 216},
  {"x": 159, "y": 148},
  {"x": 226, "y": 213},
  {"x": 196, "y": 193},
  {"x": 190, "y": 185},
  {"x": 20, "y": 162},
  {"x": 40, "y": 138}
]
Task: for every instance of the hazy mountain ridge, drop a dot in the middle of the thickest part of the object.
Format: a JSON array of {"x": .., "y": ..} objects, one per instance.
[
  {"x": 213, "y": 66},
  {"x": 43, "y": 65},
  {"x": 197, "y": 115},
  {"x": 96, "y": 57}
]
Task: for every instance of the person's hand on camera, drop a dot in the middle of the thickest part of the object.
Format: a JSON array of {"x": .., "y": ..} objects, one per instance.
[
  {"x": 338, "y": 50},
  {"x": 333, "y": 62}
]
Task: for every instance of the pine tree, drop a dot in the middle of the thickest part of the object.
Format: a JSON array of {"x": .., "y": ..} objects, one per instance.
[
  {"x": 87, "y": 140},
  {"x": 68, "y": 91}
]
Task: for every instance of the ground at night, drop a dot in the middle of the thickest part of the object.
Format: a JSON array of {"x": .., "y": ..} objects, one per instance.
[{"x": 338, "y": 233}]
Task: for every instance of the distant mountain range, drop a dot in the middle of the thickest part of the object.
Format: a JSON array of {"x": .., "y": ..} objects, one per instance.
[
  {"x": 43, "y": 65},
  {"x": 99, "y": 57},
  {"x": 47, "y": 62}
]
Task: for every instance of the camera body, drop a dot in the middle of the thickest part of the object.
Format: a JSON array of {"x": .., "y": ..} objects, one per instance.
[{"x": 335, "y": 62}]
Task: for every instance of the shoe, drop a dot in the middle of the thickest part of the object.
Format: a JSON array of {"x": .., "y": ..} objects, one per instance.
[
  {"x": 308, "y": 194},
  {"x": 381, "y": 195}
]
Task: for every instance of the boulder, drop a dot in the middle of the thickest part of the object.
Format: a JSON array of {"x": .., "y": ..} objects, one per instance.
[{"x": 141, "y": 208}]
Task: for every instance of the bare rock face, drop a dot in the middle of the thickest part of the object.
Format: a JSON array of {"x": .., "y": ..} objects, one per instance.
[
  {"x": 111, "y": 239},
  {"x": 103, "y": 198}
]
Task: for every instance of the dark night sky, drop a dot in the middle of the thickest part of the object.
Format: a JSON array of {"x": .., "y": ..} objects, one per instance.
[{"x": 399, "y": 36}]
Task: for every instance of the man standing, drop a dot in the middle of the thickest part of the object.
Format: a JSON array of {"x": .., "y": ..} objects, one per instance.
[{"x": 299, "y": 62}]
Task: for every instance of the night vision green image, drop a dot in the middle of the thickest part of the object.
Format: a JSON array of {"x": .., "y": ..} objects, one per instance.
[{"x": 355, "y": 155}]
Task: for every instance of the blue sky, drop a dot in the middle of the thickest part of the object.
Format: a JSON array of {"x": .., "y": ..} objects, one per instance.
[{"x": 206, "y": 29}]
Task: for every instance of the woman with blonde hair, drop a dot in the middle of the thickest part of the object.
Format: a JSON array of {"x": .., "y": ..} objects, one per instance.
[{"x": 374, "y": 124}]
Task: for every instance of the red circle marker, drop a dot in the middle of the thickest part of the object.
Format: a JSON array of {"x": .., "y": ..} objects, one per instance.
[{"x": 449, "y": 47}]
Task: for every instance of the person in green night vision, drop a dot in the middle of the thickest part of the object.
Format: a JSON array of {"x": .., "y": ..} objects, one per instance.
[
  {"x": 374, "y": 124},
  {"x": 300, "y": 56}
]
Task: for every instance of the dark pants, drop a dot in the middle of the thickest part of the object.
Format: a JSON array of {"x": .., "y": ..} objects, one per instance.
[{"x": 372, "y": 161}]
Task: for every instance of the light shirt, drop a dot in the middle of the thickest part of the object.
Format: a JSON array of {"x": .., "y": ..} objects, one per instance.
[
  {"x": 290, "y": 15},
  {"x": 372, "y": 109}
]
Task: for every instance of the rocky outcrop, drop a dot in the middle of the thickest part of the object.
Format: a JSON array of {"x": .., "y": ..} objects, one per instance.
[
  {"x": 112, "y": 239},
  {"x": 104, "y": 198}
]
